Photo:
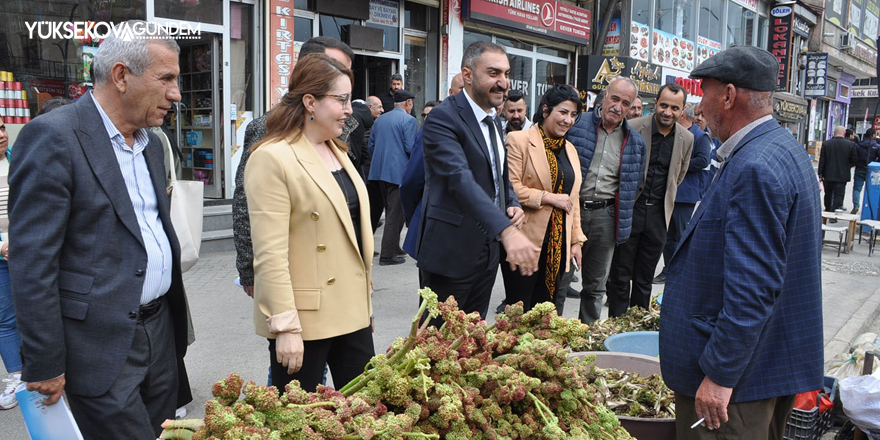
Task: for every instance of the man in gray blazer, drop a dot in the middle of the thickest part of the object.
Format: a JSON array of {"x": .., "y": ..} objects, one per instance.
[{"x": 95, "y": 266}]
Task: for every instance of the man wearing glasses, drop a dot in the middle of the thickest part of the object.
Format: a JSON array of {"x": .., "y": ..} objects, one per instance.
[{"x": 391, "y": 143}]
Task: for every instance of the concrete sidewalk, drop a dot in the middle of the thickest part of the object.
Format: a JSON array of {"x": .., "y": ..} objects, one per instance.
[{"x": 225, "y": 339}]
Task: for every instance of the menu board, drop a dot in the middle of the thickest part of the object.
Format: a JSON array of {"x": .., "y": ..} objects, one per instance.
[
  {"x": 706, "y": 48},
  {"x": 638, "y": 41},
  {"x": 671, "y": 51}
]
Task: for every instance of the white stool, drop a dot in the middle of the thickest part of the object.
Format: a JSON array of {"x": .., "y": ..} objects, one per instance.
[
  {"x": 873, "y": 226},
  {"x": 842, "y": 232}
]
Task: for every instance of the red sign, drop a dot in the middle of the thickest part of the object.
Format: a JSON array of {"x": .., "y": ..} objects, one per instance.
[
  {"x": 281, "y": 49},
  {"x": 547, "y": 18},
  {"x": 877, "y": 123},
  {"x": 780, "y": 42},
  {"x": 693, "y": 87}
]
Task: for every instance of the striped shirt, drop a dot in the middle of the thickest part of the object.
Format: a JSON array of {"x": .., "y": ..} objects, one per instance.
[{"x": 143, "y": 197}]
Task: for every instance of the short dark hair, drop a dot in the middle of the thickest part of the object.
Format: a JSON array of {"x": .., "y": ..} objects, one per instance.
[
  {"x": 849, "y": 132},
  {"x": 431, "y": 104},
  {"x": 475, "y": 50},
  {"x": 869, "y": 133},
  {"x": 397, "y": 77},
  {"x": 322, "y": 43},
  {"x": 556, "y": 95},
  {"x": 675, "y": 88},
  {"x": 515, "y": 95},
  {"x": 52, "y": 104}
]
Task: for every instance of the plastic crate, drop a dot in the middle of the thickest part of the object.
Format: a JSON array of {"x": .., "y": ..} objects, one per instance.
[{"x": 810, "y": 425}]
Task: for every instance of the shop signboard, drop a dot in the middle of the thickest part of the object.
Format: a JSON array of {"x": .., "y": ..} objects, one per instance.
[
  {"x": 870, "y": 92},
  {"x": 789, "y": 110},
  {"x": 877, "y": 123},
  {"x": 751, "y": 4},
  {"x": 836, "y": 12},
  {"x": 801, "y": 27},
  {"x": 855, "y": 17},
  {"x": 871, "y": 21},
  {"x": 547, "y": 18},
  {"x": 671, "y": 51},
  {"x": 680, "y": 77},
  {"x": 817, "y": 75},
  {"x": 598, "y": 71},
  {"x": 384, "y": 12},
  {"x": 281, "y": 48},
  {"x": 638, "y": 41},
  {"x": 706, "y": 48},
  {"x": 780, "y": 42},
  {"x": 612, "y": 39}
]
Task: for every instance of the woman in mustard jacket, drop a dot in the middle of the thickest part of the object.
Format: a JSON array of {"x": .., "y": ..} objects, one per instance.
[
  {"x": 545, "y": 173},
  {"x": 313, "y": 244}
]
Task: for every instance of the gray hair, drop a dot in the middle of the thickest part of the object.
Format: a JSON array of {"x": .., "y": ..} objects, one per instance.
[
  {"x": 133, "y": 51},
  {"x": 758, "y": 100},
  {"x": 625, "y": 79},
  {"x": 475, "y": 50},
  {"x": 689, "y": 112}
]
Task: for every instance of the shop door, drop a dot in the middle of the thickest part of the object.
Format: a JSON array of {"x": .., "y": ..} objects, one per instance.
[
  {"x": 372, "y": 75},
  {"x": 196, "y": 123}
]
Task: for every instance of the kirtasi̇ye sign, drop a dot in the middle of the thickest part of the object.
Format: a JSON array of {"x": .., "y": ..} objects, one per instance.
[
  {"x": 547, "y": 18},
  {"x": 781, "y": 24},
  {"x": 602, "y": 70}
]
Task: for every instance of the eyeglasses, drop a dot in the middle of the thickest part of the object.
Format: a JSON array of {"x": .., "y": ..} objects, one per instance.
[{"x": 344, "y": 100}]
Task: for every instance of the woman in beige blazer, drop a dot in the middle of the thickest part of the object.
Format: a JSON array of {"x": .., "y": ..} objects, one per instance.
[
  {"x": 310, "y": 222},
  {"x": 546, "y": 175}
]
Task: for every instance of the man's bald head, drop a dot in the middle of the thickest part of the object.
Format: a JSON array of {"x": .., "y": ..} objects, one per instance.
[
  {"x": 456, "y": 85},
  {"x": 839, "y": 131}
]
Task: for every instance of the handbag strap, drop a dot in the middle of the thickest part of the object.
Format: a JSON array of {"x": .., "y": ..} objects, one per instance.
[{"x": 167, "y": 146}]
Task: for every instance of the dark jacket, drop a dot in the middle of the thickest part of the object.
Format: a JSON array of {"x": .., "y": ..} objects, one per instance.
[
  {"x": 583, "y": 135},
  {"x": 694, "y": 184},
  {"x": 868, "y": 151},
  {"x": 838, "y": 155},
  {"x": 357, "y": 142}
]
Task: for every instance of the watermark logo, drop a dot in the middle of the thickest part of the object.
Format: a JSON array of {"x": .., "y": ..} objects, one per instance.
[{"x": 95, "y": 31}]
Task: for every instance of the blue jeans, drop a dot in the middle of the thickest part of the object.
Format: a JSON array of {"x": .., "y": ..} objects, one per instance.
[
  {"x": 859, "y": 179},
  {"x": 10, "y": 343}
]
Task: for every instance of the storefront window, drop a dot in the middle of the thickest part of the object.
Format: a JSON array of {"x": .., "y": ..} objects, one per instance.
[
  {"x": 199, "y": 12},
  {"x": 547, "y": 74},
  {"x": 415, "y": 16},
  {"x": 763, "y": 29},
  {"x": 333, "y": 26},
  {"x": 391, "y": 38},
  {"x": 303, "y": 5},
  {"x": 416, "y": 61},
  {"x": 739, "y": 25},
  {"x": 302, "y": 29},
  {"x": 674, "y": 16},
  {"x": 471, "y": 37},
  {"x": 711, "y": 14},
  {"x": 521, "y": 76},
  {"x": 241, "y": 41},
  {"x": 512, "y": 43}
]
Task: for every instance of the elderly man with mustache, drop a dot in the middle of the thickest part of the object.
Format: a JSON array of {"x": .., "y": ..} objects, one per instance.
[{"x": 612, "y": 158}]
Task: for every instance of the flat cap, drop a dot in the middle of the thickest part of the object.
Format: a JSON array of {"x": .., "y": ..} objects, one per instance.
[
  {"x": 402, "y": 95},
  {"x": 748, "y": 67}
]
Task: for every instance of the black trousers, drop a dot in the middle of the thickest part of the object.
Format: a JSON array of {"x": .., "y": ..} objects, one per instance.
[
  {"x": 635, "y": 260},
  {"x": 145, "y": 392},
  {"x": 473, "y": 291},
  {"x": 393, "y": 219},
  {"x": 834, "y": 193},
  {"x": 681, "y": 215},
  {"x": 532, "y": 289},
  {"x": 347, "y": 355},
  {"x": 375, "y": 195}
]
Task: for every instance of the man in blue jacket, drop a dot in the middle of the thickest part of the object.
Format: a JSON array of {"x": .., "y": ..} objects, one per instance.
[
  {"x": 742, "y": 309},
  {"x": 391, "y": 143},
  {"x": 612, "y": 157},
  {"x": 691, "y": 189}
]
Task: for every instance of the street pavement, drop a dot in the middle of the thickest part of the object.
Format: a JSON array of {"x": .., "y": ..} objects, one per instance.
[{"x": 226, "y": 342}]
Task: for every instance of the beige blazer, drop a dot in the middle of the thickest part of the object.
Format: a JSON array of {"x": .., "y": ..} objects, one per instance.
[
  {"x": 678, "y": 166},
  {"x": 530, "y": 176},
  {"x": 306, "y": 257}
]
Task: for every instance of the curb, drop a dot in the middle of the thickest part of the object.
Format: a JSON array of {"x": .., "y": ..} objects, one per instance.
[{"x": 863, "y": 319}]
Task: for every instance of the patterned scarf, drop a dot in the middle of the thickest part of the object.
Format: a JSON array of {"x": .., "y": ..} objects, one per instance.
[{"x": 557, "y": 217}]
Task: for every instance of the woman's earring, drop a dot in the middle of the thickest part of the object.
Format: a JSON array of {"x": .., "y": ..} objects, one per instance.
[{"x": 312, "y": 117}]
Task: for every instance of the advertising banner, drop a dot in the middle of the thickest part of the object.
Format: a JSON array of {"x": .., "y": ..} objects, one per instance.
[
  {"x": 836, "y": 12},
  {"x": 280, "y": 45},
  {"x": 546, "y": 18},
  {"x": 781, "y": 18},
  {"x": 871, "y": 21},
  {"x": 612, "y": 39},
  {"x": 595, "y": 74},
  {"x": 855, "y": 17},
  {"x": 671, "y": 51},
  {"x": 817, "y": 75},
  {"x": 706, "y": 48},
  {"x": 638, "y": 41}
]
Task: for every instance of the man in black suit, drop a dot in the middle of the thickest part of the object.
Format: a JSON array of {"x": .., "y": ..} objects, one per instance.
[
  {"x": 95, "y": 266},
  {"x": 470, "y": 209},
  {"x": 837, "y": 157}
]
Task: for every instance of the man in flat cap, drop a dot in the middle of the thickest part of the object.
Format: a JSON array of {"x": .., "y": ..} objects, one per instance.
[
  {"x": 742, "y": 309},
  {"x": 391, "y": 143}
]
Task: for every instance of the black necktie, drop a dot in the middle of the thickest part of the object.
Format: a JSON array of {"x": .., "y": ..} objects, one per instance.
[{"x": 494, "y": 153}]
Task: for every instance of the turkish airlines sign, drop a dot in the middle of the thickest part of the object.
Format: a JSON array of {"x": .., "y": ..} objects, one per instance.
[{"x": 547, "y": 18}]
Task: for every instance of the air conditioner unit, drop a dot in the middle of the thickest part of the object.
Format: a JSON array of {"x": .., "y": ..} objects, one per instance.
[{"x": 847, "y": 42}]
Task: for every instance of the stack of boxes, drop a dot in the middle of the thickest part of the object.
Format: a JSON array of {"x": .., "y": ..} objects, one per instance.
[{"x": 13, "y": 101}]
